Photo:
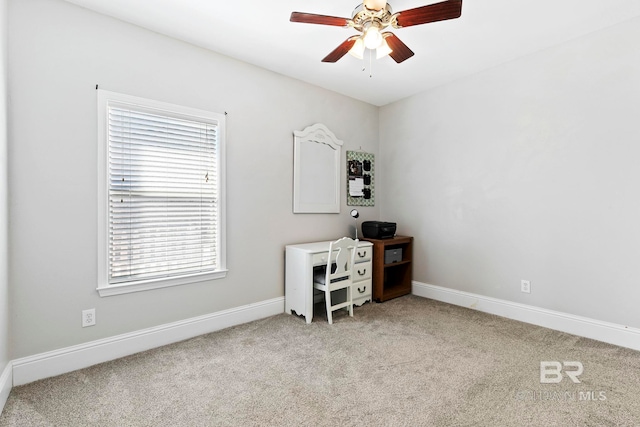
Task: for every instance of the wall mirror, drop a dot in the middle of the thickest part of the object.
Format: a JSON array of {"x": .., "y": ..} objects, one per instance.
[{"x": 316, "y": 170}]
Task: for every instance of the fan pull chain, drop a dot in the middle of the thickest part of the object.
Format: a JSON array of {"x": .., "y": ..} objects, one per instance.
[
  {"x": 364, "y": 66},
  {"x": 364, "y": 63}
]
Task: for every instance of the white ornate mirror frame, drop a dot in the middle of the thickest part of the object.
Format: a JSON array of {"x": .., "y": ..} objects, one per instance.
[{"x": 316, "y": 170}]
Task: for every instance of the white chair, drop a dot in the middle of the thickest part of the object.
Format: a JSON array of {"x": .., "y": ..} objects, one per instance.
[{"x": 338, "y": 276}]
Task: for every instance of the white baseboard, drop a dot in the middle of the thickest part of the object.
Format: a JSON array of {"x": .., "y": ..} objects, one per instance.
[
  {"x": 6, "y": 380},
  {"x": 44, "y": 365},
  {"x": 611, "y": 333}
]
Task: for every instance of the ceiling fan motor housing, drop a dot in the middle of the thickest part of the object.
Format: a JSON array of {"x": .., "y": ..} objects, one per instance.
[{"x": 362, "y": 17}]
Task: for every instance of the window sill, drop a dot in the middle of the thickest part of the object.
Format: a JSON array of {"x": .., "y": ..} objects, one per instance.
[{"x": 146, "y": 285}]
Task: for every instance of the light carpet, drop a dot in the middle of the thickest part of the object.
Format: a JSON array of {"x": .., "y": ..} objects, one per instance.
[{"x": 406, "y": 362}]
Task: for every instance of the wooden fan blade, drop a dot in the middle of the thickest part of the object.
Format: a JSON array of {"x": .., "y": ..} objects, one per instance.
[
  {"x": 341, "y": 50},
  {"x": 400, "y": 51},
  {"x": 449, "y": 9},
  {"x": 312, "y": 18}
]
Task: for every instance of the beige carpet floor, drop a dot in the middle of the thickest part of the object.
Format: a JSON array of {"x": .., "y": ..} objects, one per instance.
[{"x": 406, "y": 362}]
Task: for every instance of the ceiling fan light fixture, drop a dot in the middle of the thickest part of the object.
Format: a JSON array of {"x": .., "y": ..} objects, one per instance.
[
  {"x": 371, "y": 17},
  {"x": 358, "y": 48},
  {"x": 383, "y": 49}
]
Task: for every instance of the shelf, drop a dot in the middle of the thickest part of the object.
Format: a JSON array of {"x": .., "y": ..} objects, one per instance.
[
  {"x": 394, "y": 279},
  {"x": 396, "y": 264}
]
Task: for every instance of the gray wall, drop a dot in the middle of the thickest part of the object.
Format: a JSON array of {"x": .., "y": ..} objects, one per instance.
[
  {"x": 4, "y": 252},
  {"x": 58, "y": 53},
  {"x": 526, "y": 171}
]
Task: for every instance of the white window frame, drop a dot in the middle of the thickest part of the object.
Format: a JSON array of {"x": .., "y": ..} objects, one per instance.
[{"x": 105, "y": 99}]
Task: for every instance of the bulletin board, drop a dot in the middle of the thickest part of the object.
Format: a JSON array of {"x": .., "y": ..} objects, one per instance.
[{"x": 360, "y": 179}]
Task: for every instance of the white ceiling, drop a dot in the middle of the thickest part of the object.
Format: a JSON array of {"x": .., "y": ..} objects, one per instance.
[{"x": 489, "y": 32}]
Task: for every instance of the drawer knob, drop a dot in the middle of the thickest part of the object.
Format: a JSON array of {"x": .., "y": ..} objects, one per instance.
[
  {"x": 362, "y": 254},
  {"x": 362, "y": 273},
  {"x": 363, "y": 290}
]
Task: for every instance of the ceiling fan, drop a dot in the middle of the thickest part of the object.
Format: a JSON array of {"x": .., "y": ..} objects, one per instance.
[{"x": 373, "y": 16}]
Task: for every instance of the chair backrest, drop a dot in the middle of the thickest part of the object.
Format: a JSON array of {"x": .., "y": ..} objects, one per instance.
[{"x": 345, "y": 258}]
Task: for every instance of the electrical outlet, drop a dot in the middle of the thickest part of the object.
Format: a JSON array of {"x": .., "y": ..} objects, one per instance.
[
  {"x": 88, "y": 317},
  {"x": 525, "y": 286}
]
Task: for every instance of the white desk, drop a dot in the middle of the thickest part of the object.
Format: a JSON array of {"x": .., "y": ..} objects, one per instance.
[{"x": 300, "y": 262}]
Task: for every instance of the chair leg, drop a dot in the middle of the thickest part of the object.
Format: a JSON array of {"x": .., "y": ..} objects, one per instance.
[{"x": 327, "y": 300}]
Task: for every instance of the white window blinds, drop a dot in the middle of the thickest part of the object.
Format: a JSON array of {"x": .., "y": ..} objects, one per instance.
[{"x": 163, "y": 195}]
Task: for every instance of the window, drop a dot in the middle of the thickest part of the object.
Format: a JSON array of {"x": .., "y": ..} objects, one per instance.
[{"x": 161, "y": 194}]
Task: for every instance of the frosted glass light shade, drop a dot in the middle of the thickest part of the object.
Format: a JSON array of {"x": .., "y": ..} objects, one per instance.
[
  {"x": 372, "y": 38},
  {"x": 383, "y": 50},
  {"x": 357, "y": 49}
]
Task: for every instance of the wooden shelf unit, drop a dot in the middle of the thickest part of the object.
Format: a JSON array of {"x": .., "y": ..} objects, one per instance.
[{"x": 391, "y": 280}]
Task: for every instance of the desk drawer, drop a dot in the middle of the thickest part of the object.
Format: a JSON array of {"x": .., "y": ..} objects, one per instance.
[
  {"x": 320, "y": 259},
  {"x": 364, "y": 254},
  {"x": 362, "y": 271},
  {"x": 361, "y": 292}
]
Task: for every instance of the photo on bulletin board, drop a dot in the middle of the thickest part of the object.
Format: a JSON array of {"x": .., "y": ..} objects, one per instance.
[{"x": 360, "y": 179}]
